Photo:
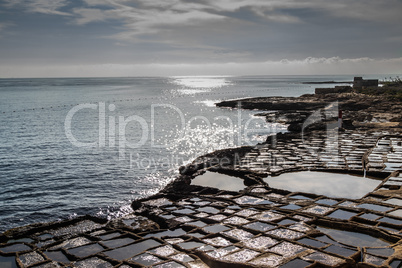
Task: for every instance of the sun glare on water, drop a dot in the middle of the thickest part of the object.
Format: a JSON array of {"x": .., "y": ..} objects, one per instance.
[{"x": 201, "y": 82}]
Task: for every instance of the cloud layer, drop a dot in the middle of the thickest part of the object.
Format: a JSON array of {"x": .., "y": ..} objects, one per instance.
[
  {"x": 308, "y": 66},
  {"x": 204, "y": 32}
]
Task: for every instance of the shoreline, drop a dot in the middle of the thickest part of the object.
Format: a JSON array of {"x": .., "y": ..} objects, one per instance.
[{"x": 194, "y": 226}]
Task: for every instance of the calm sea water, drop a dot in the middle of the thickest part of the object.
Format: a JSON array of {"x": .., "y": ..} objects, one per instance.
[{"x": 91, "y": 145}]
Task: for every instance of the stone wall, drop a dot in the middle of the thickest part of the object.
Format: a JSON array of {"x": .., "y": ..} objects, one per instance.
[
  {"x": 360, "y": 83},
  {"x": 337, "y": 89}
]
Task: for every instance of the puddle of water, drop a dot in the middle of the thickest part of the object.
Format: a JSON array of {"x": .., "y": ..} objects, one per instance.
[
  {"x": 296, "y": 263},
  {"x": 345, "y": 252},
  {"x": 15, "y": 248},
  {"x": 396, "y": 263},
  {"x": 84, "y": 251},
  {"x": 286, "y": 222},
  {"x": 22, "y": 240},
  {"x": 217, "y": 228},
  {"x": 291, "y": 206},
  {"x": 260, "y": 226},
  {"x": 44, "y": 237},
  {"x": 311, "y": 242},
  {"x": 394, "y": 201},
  {"x": 391, "y": 221},
  {"x": 168, "y": 216},
  {"x": 397, "y": 213},
  {"x": 197, "y": 223},
  {"x": 342, "y": 214},
  {"x": 57, "y": 256},
  {"x": 184, "y": 211},
  {"x": 109, "y": 236},
  {"x": 190, "y": 245},
  {"x": 324, "y": 183},
  {"x": 196, "y": 234},
  {"x": 133, "y": 249},
  {"x": 353, "y": 238},
  {"x": 208, "y": 210},
  {"x": 374, "y": 207},
  {"x": 392, "y": 166},
  {"x": 385, "y": 252},
  {"x": 8, "y": 262},
  {"x": 328, "y": 202},
  {"x": 118, "y": 242},
  {"x": 300, "y": 197},
  {"x": 220, "y": 181},
  {"x": 369, "y": 216}
]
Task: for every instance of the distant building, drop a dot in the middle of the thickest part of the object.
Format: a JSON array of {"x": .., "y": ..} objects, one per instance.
[{"x": 360, "y": 83}]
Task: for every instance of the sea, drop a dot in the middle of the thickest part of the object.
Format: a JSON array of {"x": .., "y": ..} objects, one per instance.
[{"x": 77, "y": 146}]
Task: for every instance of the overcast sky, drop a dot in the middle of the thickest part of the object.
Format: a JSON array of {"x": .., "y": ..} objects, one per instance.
[{"x": 47, "y": 38}]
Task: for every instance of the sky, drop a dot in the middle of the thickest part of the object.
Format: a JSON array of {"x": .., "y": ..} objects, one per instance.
[{"x": 70, "y": 38}]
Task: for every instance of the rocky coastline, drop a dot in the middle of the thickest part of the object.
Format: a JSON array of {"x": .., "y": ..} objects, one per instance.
[{"x": 188, "y": 225}]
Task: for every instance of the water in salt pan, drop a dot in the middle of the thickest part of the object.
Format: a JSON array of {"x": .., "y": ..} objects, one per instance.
[
  {"x": 57, "y": 256},
  {"x": 220, "y": 181},
  {"x": 8, "y": 262},
  {"x": 84, "y": 251},
  {"x": 354, "y": 238},
  {"x": 324, "y": 183},
  {"x": 130, "y": 250},
  {"x": 14, "y": 248}
]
